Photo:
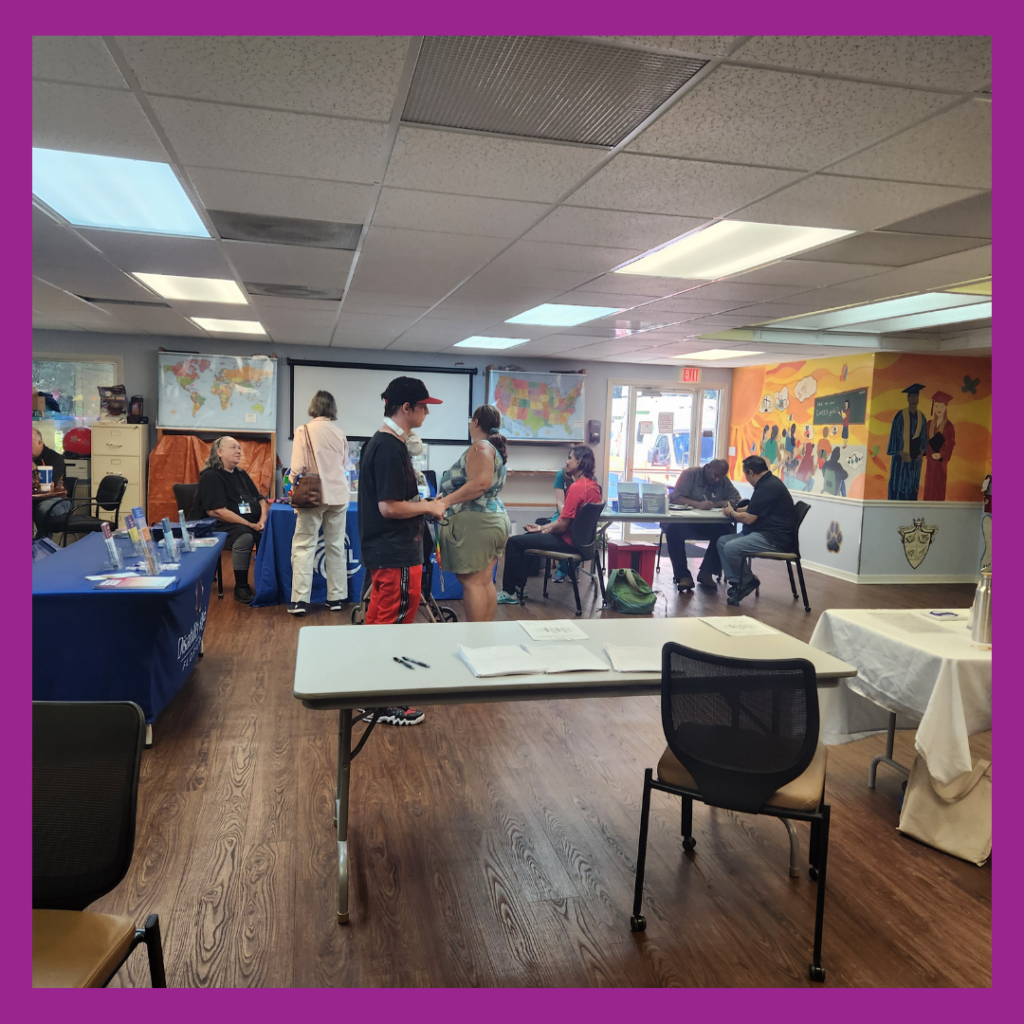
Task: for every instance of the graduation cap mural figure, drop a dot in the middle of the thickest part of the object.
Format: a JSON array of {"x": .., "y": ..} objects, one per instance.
[
  {"x": 941, "y": 441},
  {"x": 907, "y": 444}
]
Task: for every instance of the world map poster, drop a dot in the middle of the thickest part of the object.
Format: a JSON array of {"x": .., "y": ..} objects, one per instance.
[
  {"x": 200, "y": 392},
  {"x": 538, "y": 406}
]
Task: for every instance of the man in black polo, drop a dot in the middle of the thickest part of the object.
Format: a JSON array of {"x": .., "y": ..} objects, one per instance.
[
  {"x": 700, "y": 487},
  {"x": 769, "y": 522}
]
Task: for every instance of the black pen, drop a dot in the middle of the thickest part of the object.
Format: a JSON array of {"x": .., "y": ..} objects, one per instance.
[
  {"x": 422, "y": 664},
  {"x": 403, "y": 664}
]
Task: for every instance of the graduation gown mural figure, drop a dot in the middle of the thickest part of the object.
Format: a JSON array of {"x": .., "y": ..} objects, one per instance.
[
  {"x": 941, "y": 441},
  {"x": 907, "y": 444}
]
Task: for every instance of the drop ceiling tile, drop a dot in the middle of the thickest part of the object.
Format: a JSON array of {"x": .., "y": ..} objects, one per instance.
[
  {"x": 408, "y": 343},
  {"x": 477, "y": 165},
  {"x": 472, "y": 303},
  {"x": 275, "y": 195},
  {"x": 688, "y": 302},
  {"x": 153, "y": 320},
  {"x": 641, "y": 284},
  {"x": 693, "y": 188},
  {"x": 640, "y": 231},
  {"x": 555, "y": 345},
  {"x": 442, "y": 336},
  {"x": 952, "y": 149},
  {"x": 48, "y": 299},
  {"x": 299, "y": 307},
  {"x": 859, "y": 204},
  {"x": 267, "y": 141},
  {"x": 83, "y": 60},
  {"x": 585, "y": 297},
  {"x": 502, "y": 273},
  {"x": 704, "y": 46},
  {"x": 718, "y": 322},
  {"x": 289, "y": 264},
  {"x": 891, "y": 248},
  {"x": 134, "y": 252},
  {"x": 736, "y": 291},
  {"x": 469, "y": 251},
  {"x": 808, "y": 273},
  {"x": 753, "y": 116},
  {"x": 424, "y": 277},
  {"x": 301, "y": 334},
  {"x": 348, "y": 76},
  {"x": 466, "y": 215},
  {"x": 361, "y": 301},
  {"x": 967, "y": 218},
  {"x": 593, "y": 259},
  {"x": 939, "y": 62},
  {"x": 81, "y": 119},
  {"x": 49, "y": 322},
  {"x": 773, "y": 310}
]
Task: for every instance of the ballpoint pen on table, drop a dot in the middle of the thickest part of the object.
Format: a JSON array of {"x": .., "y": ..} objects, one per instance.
[
  {"x": 422, "y": 664},
  {"x": 402, "y": 663}
]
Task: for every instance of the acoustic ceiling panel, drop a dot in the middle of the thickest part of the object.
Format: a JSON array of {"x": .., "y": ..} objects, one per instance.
[
  {"x": 889, "y": 248},
  {"x": 561, "y": 89},
  {"x": 80, "y": 59},
  {"x": 967, "y": 218}
]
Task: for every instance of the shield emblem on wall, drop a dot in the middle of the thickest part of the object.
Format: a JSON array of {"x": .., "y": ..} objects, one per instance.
[{"x": 917, "y": 539}]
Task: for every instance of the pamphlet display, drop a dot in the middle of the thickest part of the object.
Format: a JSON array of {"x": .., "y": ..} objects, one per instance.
[
  {"x": 653, "y": 498},
  {"x": 170, "y": 542},
  {"x": 108, "y": 539},
  {"x": 629, "y": 497}
]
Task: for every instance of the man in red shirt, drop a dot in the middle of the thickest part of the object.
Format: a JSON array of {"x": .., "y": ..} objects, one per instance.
[{"x": 556, "y": 536}]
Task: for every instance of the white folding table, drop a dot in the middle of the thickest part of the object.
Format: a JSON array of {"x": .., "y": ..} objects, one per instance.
[{"x": 347, "y": 667}]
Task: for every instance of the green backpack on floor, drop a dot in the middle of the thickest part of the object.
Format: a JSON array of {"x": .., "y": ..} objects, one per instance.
[{"x": 630, "y": 592}]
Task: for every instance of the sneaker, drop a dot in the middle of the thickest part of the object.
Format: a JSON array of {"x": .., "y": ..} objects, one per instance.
[
  {"x": 244, "y": 594},
  {"x": 748, "y": 588},
  {"x": 297, "y": 607},
  {"x": 684, "y": 583},
  {"x": 706, "y": 579},
  {"x": 560, "y": 576},
  {"x": 397, "y": 716},
  {"x": 337, "y": 606},
  {"x": 504, "y": 597}
]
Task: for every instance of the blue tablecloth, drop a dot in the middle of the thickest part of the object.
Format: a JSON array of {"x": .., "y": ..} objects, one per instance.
[
  {"x": 273, "y": 571},
  {"x": 138, "y": 645}
]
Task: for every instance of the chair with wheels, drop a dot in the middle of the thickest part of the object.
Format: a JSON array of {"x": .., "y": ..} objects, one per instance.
[
  {"x": 742, "y": 735},
  {"x": 85, "y": 785},
  {"x": 184, "y": 497},
  {"x": 585, "y": 529},
  {"x": 109, "y": 496},
  {"x": 789, "y": 557}
]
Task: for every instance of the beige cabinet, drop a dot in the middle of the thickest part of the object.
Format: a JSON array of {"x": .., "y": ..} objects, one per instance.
[{"x": 120, "y": 449}]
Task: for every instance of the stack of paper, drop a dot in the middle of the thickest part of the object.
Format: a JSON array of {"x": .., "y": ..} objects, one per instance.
[
  {"x": 567, "y": 658},
  {"x": 136, "y": 583},
  {"x": 552, "y": 629},
  {"x": 634, "y": 659},
  {"x": 485, "y": 662},
  {"x": 738, "y": 625}
]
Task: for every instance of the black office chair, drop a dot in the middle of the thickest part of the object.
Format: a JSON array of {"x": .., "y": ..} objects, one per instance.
[
  {"x": 109, "y": 496},
  {"x": 789, "y": 557},
  {"x": 185, "y": 498},
  {"x": 85, "y": 785},
  {"x": 50, "y": 521},
  {"x": 584, "y": 528},
  {"x": 742, "y": 735}
]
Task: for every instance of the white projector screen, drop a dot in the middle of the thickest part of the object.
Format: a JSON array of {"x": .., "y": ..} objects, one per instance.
[{"x": 357, "y": 388}]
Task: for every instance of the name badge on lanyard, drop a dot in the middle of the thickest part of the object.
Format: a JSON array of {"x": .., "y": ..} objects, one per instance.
[{"x": 243, "y": 507}]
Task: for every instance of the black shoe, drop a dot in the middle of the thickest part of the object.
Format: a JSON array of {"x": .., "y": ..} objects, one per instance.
[
  {"x": 297, "y": 607},
  {"x": 337, "y": 606},
  {"x": 244, "y": 594},
  {"x": 706, "y": 579},
  {"x": 748, "y": 588},
  {"x": 397, "y": 716},
  {"x": 684, "y": 583}
]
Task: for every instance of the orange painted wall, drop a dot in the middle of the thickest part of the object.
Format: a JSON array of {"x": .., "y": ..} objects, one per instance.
[{"x": 970, "y": 413}]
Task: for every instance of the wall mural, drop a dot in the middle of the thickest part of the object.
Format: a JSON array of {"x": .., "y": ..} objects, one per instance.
[
  {"x": 833, "y": 537},
  {"x": 917, "y": 540}
]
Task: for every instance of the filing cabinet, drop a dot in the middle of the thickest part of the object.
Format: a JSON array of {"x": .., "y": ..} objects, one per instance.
[{"x": 121, "y": 449}]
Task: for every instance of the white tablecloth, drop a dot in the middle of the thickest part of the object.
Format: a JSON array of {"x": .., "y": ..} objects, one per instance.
[{"x": 912, "y": 664}]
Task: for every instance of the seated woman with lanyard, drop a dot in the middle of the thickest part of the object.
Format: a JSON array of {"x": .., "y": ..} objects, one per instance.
[
  {"x": 557, "y": 535},
  {"x": 228, "y": 494}
]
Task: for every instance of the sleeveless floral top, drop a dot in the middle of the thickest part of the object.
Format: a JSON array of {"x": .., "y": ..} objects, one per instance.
[{"x": 454, "y": 478}]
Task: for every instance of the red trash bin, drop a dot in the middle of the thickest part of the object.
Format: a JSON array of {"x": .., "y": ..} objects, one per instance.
[{"x": 633, "y": 556}]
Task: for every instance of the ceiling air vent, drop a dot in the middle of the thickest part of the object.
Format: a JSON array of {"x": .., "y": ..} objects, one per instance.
[
  {"x": 318, "y": 234},
  {"x": 125, "y": 302},
  {"x": 293, "y": 291},
  {"x": 541, "y": 87}
]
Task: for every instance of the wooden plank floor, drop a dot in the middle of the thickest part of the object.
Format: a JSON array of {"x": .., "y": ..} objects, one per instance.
[{"x": 494, "y": 845}]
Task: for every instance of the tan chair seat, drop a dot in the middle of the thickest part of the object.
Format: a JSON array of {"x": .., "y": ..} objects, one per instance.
[
  {"x": 569, "y": 556},
  {"x": 77, "y": 949},
  {"x": 780, "y": 556},
  {"x": 804, "y": 793}
]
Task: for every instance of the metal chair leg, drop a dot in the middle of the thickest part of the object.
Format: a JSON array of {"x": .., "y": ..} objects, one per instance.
[
  {"x": 575, "y": 587},
  {"x": 794, "y": 848},
  {"x": 154, "y": 949},
  {"x": 816, "y": 971},
  {"x": 220, "y": 577},
  {"x": 792, "y": 582},
  {"x": 637, "y": 922},
  {"x": 657, "y": 561},
  {"x": 547, "y": 574},
  {"x": 686, "y": 824},
  {"x": 803, "y": 586}
]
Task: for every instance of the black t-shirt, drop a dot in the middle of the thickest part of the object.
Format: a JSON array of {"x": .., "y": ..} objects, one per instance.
[
  {"x": 220, "y": 489},
  {"x": 386, "y": 474},
  {"x": 776, "y": 517},
  {"x": 48, "y": 457}
]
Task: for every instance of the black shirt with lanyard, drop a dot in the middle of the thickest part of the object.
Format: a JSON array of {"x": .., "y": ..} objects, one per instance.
[{"x": 234, "y": 491}]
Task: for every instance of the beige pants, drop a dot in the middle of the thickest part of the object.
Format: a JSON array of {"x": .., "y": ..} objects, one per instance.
[{"x": 307, "y": 529}]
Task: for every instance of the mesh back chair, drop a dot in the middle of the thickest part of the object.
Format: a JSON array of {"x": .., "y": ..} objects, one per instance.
[
  {"x": 742, "y": 735},
  {"x": 53, "y": 522},
  {"x": 789, "y": 557},
  {"x": 584, "y": 528},
  {"x": 85, "y": 785},
  {"x": 108, "y": 498},
  {"x": 185, "y": 498}
]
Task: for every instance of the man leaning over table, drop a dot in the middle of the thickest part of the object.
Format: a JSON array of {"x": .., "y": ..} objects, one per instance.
[
  {"x": 391, "y": 517},
  {"x": 700, "y": 487},
  {"x": 769, "y": 523}
]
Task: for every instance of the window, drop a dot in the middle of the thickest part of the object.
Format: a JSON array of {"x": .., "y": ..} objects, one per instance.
[{"x": 71, "y": 383}]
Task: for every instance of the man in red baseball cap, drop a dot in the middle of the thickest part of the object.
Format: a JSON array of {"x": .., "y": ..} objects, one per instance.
[{"x": 391, "y": 517}]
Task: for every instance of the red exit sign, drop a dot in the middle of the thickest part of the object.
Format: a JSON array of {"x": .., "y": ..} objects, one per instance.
[{"x": 689, "y": 375}]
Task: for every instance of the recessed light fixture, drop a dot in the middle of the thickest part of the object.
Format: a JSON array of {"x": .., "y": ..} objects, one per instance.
[
  {"x": 115, "y": 193},
  {"x": 915, "y": 321},
  {"x": 718, "y": 353},
  {"x": 478, "y": 341},
  {"x": 228, "y": 326},
  {"x": 926, "y": 302},
  {"x": 727, "y": 247},
  {"x": 551, "y": 314},
  {"x": 193, "y": 289}
]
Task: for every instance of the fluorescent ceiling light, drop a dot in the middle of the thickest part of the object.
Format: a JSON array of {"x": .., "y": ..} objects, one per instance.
[
  {"x": 480, "y": 342},
  {"x": 193, "y": 289},
  {"x": 872, "y": 311},
  {"x": 115, "y": 193},
  {"x": 728, "y": 247},
  {"x": 228, "y": 326},
  {"x": 718, "y": 353},
  {"x": 978, "y": 288},
  {"x": 551, "y": 314},
  {"x": 936, "y": 318}
]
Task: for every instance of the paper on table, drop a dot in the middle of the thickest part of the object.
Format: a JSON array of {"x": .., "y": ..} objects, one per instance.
[
  {"x": 738, "y": 625},
  {"x": 137, "y": 583},
  {"x": 911, "y": 622},
  {"x": 112, "y": 576},
  {"x": 204, "y": 542},
  {"x": 634, "y": 659},
  {"x": 498, "y": 661},
  {"x": 553, "y": 629},
  {"x": 567, "y": 658}
]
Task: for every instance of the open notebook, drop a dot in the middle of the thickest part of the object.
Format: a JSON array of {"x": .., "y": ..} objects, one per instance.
[{"x": 530, "y": 660}]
